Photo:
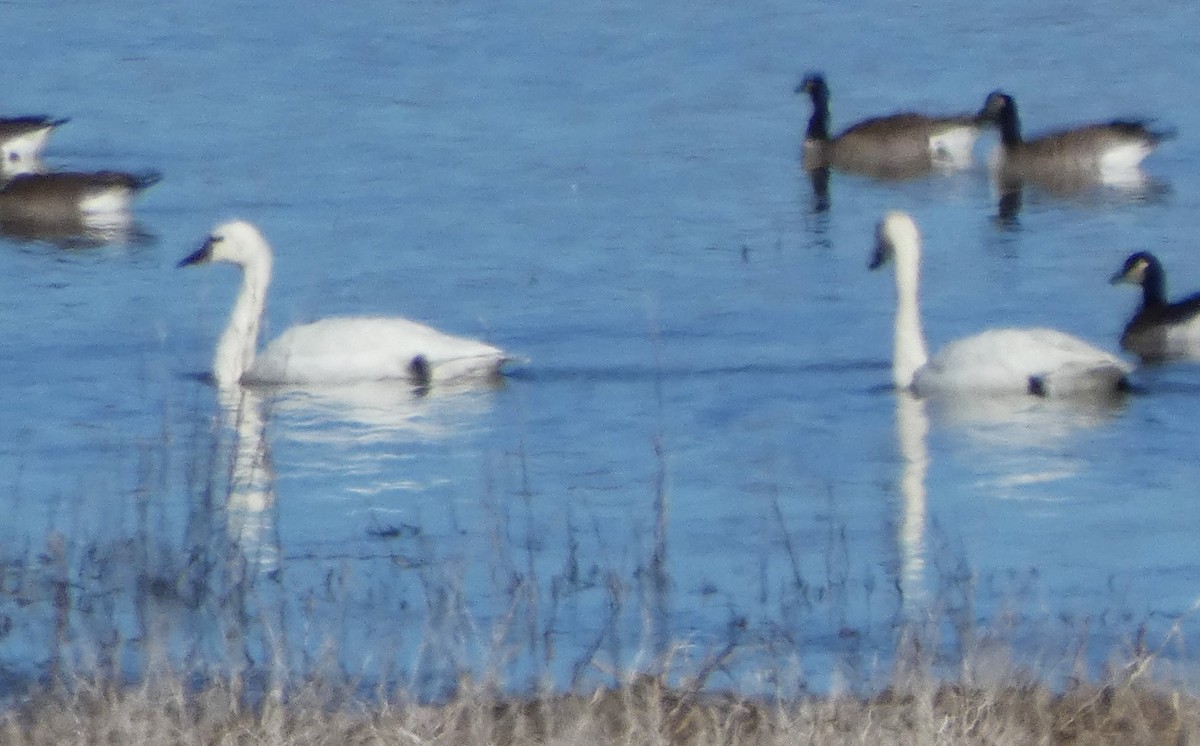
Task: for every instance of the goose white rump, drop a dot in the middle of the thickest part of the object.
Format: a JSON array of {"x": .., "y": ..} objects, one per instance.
[
  {"x": 1037, "y": 361},
  {"x": 337, "y": 350}
]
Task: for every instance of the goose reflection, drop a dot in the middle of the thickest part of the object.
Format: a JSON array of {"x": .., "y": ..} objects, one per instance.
[
  {"x": 1135, "y": 187},
  {"x": 76, "y": 231}
]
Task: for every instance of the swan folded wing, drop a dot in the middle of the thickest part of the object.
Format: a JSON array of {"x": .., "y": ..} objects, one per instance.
[
  {"x": 343, "y": 350},
  {"x": 1018, "y": 361}
]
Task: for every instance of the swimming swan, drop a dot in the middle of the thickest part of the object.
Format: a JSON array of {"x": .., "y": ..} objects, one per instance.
[
  {"x": 1104, "y": 153},
  {"x": 1037, "y": 361},
  {"x": 1158, "y": 330},
  {"x": 894, "y": 145},
  {"x": 335, "y": 350}
]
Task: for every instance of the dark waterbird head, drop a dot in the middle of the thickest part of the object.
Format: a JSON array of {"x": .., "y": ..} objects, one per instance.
[
  {"x": 814, "y": 85},
  {"x": 818, "y": 124},
  {"x": 1000, "y": 110},
  {"x": 1143, "y": 268}
]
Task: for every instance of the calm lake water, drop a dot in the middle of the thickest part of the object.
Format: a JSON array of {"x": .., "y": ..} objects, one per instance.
[{"x": 703, "y": 446}]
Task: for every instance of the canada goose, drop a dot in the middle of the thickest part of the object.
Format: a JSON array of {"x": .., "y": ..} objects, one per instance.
[
  {"x": 51, "y": 196},
  {"x": 335, "y": 350},
  {"x": 1158, "y": 330},
  {"x": 22, "y": 140},
  {"x": 1037, "y": 361},
  {"x": 891, "y": 146},
  {"x": 1068, "y": 159}
]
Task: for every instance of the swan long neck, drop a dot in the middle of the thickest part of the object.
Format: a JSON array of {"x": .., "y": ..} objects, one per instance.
[
  {"x": 908, "y": 351},
  {"x": 239, "y": 341}
]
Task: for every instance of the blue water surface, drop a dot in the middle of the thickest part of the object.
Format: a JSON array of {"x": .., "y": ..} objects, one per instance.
[{"x": 702, "y": 448}]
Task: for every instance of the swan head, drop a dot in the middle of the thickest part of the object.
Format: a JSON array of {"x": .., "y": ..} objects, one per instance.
[
  {"x": 236, "y": 242},
  {"x": 896, "y": 233}
]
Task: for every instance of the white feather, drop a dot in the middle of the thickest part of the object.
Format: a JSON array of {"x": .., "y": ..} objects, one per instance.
[
  {"x": 106, "y": 200},
  {"x": 953, "y": 148},
  {"x": 1120, "y": 165}
]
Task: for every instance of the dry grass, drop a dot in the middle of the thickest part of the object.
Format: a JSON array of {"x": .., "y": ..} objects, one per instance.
[{"x": 165, "y": 709}]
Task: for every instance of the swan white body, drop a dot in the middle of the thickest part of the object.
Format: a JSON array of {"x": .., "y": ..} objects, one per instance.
[
  {"x": 336, "y": 350},
  {"x": 998, "y": 361}
]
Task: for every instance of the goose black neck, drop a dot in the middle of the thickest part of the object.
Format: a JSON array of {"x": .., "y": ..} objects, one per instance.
[
  {"x": 818, "y": 123},
  {"x": 1154, "y": 285},
  {"x": 1010, "y": 124}
]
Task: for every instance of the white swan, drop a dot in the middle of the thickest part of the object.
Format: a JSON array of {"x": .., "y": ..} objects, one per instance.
[
  {"x": 336, "y": 350},
  {"x": 998, "y": 361}
]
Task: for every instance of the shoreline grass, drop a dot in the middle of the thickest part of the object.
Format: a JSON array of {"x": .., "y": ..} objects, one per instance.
[{"x": 1126, "y": 706}]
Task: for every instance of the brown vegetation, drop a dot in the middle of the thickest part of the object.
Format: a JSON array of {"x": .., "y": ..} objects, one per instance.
[{"x": 645, "y": 710}]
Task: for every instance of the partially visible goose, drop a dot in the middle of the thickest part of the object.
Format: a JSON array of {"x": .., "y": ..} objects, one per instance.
[
  {"x": 52, "y": 197},
  {"x": 1101, "y": 153},
  {"x": 1159, "y": 330},
  {"x": 895, "y": 145},
  {"x": 1037, "y": 361},
  {"x": 335, "y": 350},
  {"x": 22, "y": 140}
]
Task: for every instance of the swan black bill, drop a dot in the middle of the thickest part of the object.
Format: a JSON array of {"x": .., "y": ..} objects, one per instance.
[
  {"x": 200, "y": 255},
  {"x": 879, "y": 258}
]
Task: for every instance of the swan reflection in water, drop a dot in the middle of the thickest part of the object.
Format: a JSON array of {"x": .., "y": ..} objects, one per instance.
[
  {"x": 250, "y": 506},
  {"x": 379, "y": 409},
  {"x": 912, "y": 431},
  {"x": 1014, "y": 439},
  {"x": 390, "y": 413}
]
